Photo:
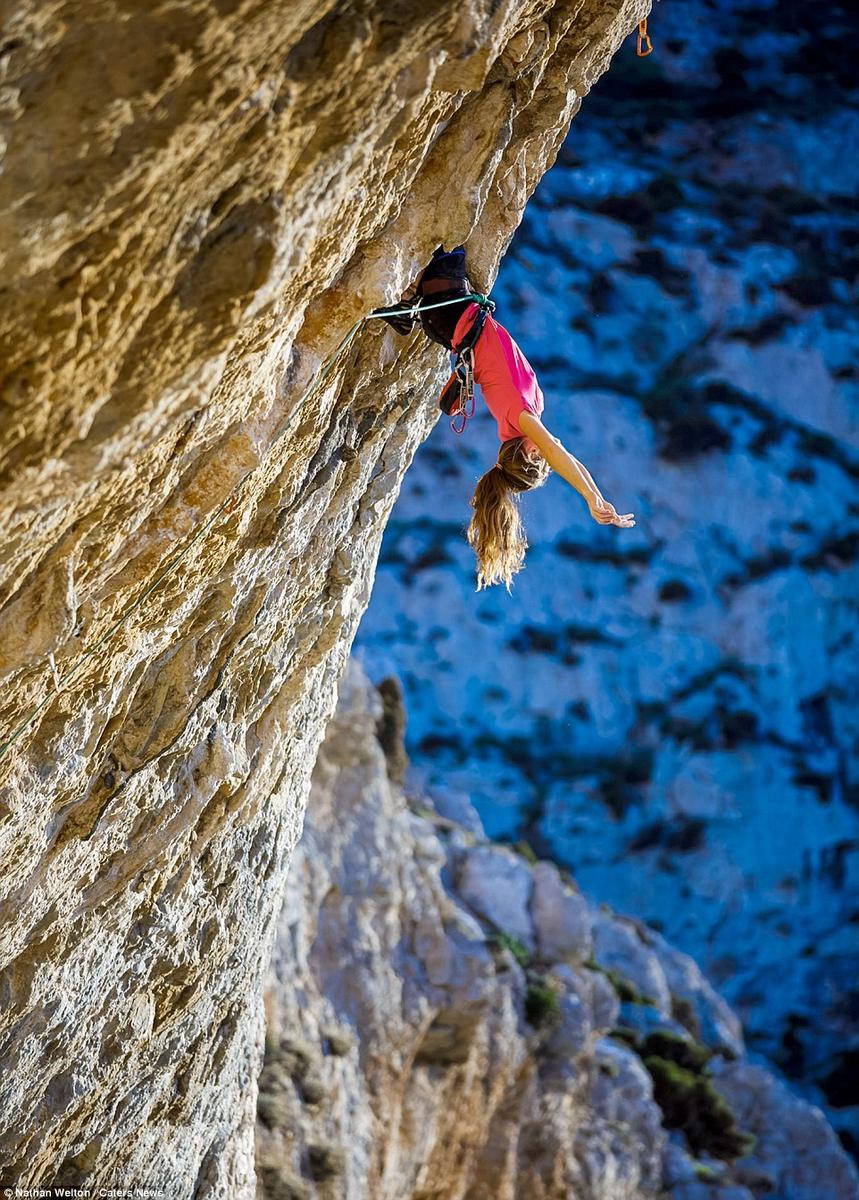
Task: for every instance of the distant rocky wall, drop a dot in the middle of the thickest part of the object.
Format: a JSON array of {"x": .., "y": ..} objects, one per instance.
[
  {"x": 684, "y": 283},
  {"x": 449, "y": 1018},
  {"x": 198, "y": 200}
]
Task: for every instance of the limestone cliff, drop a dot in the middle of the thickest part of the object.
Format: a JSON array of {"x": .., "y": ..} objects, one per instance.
[
  {"x": 198, "y": 199},
  {"x": 450, "y": 1019}
]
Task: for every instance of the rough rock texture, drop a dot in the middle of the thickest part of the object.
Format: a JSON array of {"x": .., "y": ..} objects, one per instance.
[
  {"x": 684, "y": 282},
  {"x": 417, "y": 1049},
  {"x": 198, "y": 200}
]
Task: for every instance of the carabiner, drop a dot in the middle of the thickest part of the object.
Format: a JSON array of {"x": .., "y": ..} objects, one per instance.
[{"x": 643, "y": 40}]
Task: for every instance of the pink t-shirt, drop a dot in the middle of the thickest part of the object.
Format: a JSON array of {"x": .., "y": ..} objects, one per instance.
[{"x": 504, "y": 374}]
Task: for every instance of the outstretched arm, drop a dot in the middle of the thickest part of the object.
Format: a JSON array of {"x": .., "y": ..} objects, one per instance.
[{"x": 575, "y": 473}]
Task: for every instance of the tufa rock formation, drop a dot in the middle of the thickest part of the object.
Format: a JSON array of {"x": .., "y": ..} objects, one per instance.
[
  {"x": 451, "y": 1019},
  {"x": 198, "y": 200}
]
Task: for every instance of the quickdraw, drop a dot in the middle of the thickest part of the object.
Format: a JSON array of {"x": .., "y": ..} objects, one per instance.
[
  {"x": 465, "y": 406},
  {"x": 644, "y": 46},
  {"x": 457, "y": 396}
]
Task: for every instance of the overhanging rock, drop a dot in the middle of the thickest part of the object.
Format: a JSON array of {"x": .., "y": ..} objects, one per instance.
[{"x": 198, "y": 200}]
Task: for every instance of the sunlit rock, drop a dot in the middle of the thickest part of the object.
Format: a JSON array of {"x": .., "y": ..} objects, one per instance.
[{"x": 198, "y": 202}]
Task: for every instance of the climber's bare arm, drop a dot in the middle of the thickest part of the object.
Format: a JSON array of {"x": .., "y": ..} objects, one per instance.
[{"x": 574, "y": 472}]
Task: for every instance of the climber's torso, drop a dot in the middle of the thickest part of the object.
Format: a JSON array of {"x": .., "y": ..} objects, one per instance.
[{"x": 505, "y": 376}]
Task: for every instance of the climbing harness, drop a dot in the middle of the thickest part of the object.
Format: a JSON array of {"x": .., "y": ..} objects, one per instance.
[
  {"x": 457, "y": 396},
  {"x": 60, "y": 680},
  {"x": 443, "y": 281}
]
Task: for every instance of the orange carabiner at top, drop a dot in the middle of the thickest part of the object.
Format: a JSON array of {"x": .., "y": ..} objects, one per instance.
[{"x": 644, "y": 46}]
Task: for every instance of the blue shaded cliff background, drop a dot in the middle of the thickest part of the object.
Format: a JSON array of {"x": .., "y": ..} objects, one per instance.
[{"x": 673, "y": 711}]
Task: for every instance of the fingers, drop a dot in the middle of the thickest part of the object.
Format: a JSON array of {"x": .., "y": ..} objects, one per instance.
[
  {"x": 606, "y": 514},
  {"x": 622, "y": 520}
]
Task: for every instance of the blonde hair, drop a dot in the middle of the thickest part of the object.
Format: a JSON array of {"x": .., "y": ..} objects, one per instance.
[{"x": 496, "y": 533}]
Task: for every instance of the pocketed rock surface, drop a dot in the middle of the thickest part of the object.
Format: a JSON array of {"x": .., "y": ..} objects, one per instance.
[
  {"x": 407, "y": 1056},
  {"x": 198, "y": 200}
]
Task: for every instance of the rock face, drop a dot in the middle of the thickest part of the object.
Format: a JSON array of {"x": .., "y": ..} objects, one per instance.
[
  {"x": 684, "y": 283},
  {"x": 432, "y": 1037},
  {"x": 199, "y": 198}
]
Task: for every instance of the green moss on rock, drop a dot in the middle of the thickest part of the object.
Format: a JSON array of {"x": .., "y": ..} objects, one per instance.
[
  {"x": 506, "y": 941},
  {"x": 683, "y": 1012},
  {"x": 690, "y": 1103},
  {"x": 684, "y": 1051},
  {"x": 526, "y": 851},
  {"x": 541, "y": 1004},
  {"x": 625, "y": 1034},
  {"x": 625, "y": 988}
]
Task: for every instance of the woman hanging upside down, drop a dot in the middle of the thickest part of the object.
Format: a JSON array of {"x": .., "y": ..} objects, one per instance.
[{"x": 509, "y": 386}]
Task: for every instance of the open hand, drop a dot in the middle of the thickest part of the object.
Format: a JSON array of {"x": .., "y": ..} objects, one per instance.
[{"x": 606, "y": 514}]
